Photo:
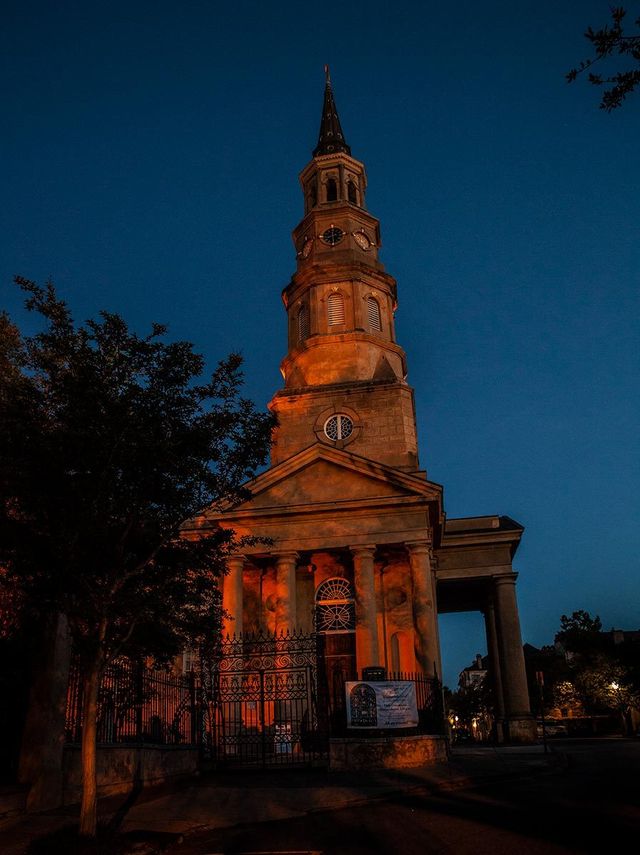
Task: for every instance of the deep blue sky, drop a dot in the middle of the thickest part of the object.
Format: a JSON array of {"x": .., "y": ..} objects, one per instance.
[{"x": 149, "y": 154}]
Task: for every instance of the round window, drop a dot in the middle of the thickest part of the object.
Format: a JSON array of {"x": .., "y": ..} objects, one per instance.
[{"x": 338, "y": 427}]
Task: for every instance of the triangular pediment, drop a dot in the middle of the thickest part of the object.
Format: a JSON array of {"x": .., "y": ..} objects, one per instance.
[{"x": 321, "y": 475}]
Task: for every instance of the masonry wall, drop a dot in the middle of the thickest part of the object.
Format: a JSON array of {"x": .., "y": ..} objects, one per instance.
[
  {"x": 383, "y": 416},
  {"x": 121, "y": 767}
]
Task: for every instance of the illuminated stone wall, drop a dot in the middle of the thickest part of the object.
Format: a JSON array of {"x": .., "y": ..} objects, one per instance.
[{"x": 383, "y": 416}]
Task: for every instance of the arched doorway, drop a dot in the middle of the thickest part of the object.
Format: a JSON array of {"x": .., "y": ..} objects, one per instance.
[{"x": 335, "y": 625}]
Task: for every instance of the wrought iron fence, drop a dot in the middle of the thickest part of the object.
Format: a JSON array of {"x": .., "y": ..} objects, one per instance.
[
  {"x": 429, "y": 700},
  {"x": 262, "y": 702},
  {"x": 270, "y": 700},
  {"x": 138, "y": 705}
]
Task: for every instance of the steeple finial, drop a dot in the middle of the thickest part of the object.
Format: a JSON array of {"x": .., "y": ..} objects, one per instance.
[{"x": 330, "y": 139}]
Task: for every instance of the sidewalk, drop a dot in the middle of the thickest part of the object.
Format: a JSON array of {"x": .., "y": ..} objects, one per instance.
[{"x": 222, "y": 800}]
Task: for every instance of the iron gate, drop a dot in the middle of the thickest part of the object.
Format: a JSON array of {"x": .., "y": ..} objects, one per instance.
[{"x": 263, "y": 707}]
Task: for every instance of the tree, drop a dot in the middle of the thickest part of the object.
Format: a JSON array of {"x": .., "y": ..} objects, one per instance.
[
  {"x": 108, "y": 442},
  {"x": 580, "y": 633},
  {"x": 606, "y": 684},
  {"x": 472, "y": 708},
  {"x": 601, "y": 677},
  {"x": 611, "y": 41},
  {"x": 565, "y": 695}
]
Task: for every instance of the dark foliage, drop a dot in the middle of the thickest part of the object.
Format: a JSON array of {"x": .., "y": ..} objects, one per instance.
[
  {"x": 612, "y": 40},
  {"x": 580, "y": 633},
  {"x": 587, "y": 670},
  {"x": 109, "y": 442}
]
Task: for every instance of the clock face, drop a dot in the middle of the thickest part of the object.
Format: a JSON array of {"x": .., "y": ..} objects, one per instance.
[
  {"x": 332, "y": 235},
  {"x": 362, "y": 240},
  {"x": 306, "y": 247}
]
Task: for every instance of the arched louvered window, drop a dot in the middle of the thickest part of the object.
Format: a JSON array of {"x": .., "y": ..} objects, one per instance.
[
  {"x": 303, "y": 322},
  {"x": 373, "y": 312},
  {"x": 352, "y": 193},
  {"x": 335, "y": 607},
  {"x": 313, "y": 194},
  {"x": 332, "y": 190},
  {"x": 335, "y": 309}
]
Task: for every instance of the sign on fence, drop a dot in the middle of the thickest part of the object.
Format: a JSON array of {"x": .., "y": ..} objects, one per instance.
[
  {"x": 283, "y": 738},
  {"x": 381, "y": 704}
]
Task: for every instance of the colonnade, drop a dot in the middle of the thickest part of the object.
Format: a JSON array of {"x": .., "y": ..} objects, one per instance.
[
  {"x": 502, "y": 624},
  {"x": 369, "y": 647}
]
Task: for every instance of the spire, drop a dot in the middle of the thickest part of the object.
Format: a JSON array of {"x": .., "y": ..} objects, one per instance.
[{"x": 330, "y": 138}]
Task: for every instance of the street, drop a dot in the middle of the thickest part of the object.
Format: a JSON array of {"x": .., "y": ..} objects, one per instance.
[{"x": 592, "y": 805}]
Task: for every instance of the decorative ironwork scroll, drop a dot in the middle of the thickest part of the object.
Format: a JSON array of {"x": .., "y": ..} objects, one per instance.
[{"x": 263, "y": 701}]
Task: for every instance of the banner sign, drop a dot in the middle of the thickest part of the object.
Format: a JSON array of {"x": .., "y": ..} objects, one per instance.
[{"x": 383, "y": 704}]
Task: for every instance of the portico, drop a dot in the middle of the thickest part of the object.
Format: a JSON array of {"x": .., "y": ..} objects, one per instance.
[{"x": 398, "y": 588}]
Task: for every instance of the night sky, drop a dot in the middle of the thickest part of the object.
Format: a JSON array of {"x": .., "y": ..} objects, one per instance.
[{"x": 149, "y": 154}]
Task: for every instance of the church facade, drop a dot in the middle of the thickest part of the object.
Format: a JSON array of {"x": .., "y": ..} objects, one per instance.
[{"x": 359, "y": 548}]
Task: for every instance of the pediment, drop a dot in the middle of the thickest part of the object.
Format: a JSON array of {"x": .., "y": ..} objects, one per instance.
[
  {"x": 322, "y": 475},
  {"x": 323, "y": 481}
]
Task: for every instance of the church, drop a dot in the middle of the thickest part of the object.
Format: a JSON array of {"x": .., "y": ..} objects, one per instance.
[{"x": 352, "y": 540}]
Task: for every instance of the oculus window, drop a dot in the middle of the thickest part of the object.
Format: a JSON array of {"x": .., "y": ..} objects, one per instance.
[{"x": 338, "y": 427}]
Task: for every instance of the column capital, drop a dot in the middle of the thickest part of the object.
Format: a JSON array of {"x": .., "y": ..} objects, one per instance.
[
  {"x": 288, "y": 556},
  {"x": 235, "y": 560},
  {"x": 505, "y": 579},
  {"x": 418, "y": 547},
  {"x": 367, "y": 549}
]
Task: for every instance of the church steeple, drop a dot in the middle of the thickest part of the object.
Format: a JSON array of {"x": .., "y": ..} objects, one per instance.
[
  {"x": 330, "y": 139},
  {"x": 345, "y": 375}
]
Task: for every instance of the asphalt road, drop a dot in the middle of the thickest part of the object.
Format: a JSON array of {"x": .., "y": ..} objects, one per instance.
[{"x": 592, "y": 805}]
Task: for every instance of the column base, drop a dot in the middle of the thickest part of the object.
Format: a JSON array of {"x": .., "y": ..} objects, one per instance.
[
  {"x": 497, "y": 731},
  {"x": 520, "y": 730}
]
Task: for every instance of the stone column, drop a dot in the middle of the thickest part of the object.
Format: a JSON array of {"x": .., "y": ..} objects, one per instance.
[
  {"x": 367, "y": 645},
  {"x": 434, "y": 588},
  {"x": 286, "y": 620},
  {"x": 232, "y": 598},
  {"x": 424, "y": 607},
  {"x": 495, "y": 669},
  {"x": 518, "y": 719}
]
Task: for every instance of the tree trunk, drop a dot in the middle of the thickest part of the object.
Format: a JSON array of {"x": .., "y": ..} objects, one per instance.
[
  {"x": 41, "y": 755},
  {"x": 89, "y": 805}
]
